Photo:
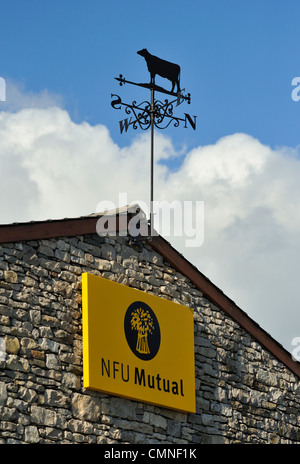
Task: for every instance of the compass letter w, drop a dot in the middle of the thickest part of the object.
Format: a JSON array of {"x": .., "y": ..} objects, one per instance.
[{"x": 124, "y": 124}]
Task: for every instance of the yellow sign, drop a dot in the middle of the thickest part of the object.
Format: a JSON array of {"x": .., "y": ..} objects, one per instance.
[{"x": 137, "y": 345}]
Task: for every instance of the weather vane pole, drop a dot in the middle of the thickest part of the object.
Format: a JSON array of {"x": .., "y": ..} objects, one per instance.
[{"x": 156, "y": 113}]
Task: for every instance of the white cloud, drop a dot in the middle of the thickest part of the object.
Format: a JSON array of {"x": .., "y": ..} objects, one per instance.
[
  {"x": 52, "y": 167},
  {"x": 252, "y": 224},
  {"x": 17, "y": 97}
]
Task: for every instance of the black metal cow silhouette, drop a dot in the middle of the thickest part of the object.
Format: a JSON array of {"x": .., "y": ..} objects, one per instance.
[{"x": 161, "y": 67}]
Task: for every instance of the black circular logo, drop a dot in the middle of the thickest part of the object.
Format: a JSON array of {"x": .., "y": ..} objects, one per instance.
[{"x": 142, "y": 330}]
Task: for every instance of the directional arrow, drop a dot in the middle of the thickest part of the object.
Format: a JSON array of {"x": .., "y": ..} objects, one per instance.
[{"x": 157, "y": 88}]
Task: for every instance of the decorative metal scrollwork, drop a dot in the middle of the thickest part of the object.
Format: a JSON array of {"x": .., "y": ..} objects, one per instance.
[{"x": 162, "y": 111}]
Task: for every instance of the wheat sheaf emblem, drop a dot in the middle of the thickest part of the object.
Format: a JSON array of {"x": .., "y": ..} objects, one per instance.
[{"x": 142, "y": 321}]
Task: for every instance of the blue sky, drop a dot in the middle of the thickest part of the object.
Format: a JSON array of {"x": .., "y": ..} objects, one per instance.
[
  {"x": 61, "y": 151},
  {"x": 237, "y": 60}
]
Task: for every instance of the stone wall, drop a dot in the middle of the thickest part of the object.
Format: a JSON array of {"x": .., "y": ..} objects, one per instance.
[{"x": 243, "y": 394}]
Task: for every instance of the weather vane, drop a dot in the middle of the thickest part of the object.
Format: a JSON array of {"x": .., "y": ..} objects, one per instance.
[{"x": 156, "y": 113}]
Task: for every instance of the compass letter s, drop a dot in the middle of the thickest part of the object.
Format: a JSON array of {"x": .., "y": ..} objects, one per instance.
[{"x": 116, "y": 102}]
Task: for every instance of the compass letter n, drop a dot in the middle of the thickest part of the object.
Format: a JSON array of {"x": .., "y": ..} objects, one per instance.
[{"x": 190, "y": 121}]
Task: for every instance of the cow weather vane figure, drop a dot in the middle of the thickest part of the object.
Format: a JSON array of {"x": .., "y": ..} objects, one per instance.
[{"x": 156, "y": 113}]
